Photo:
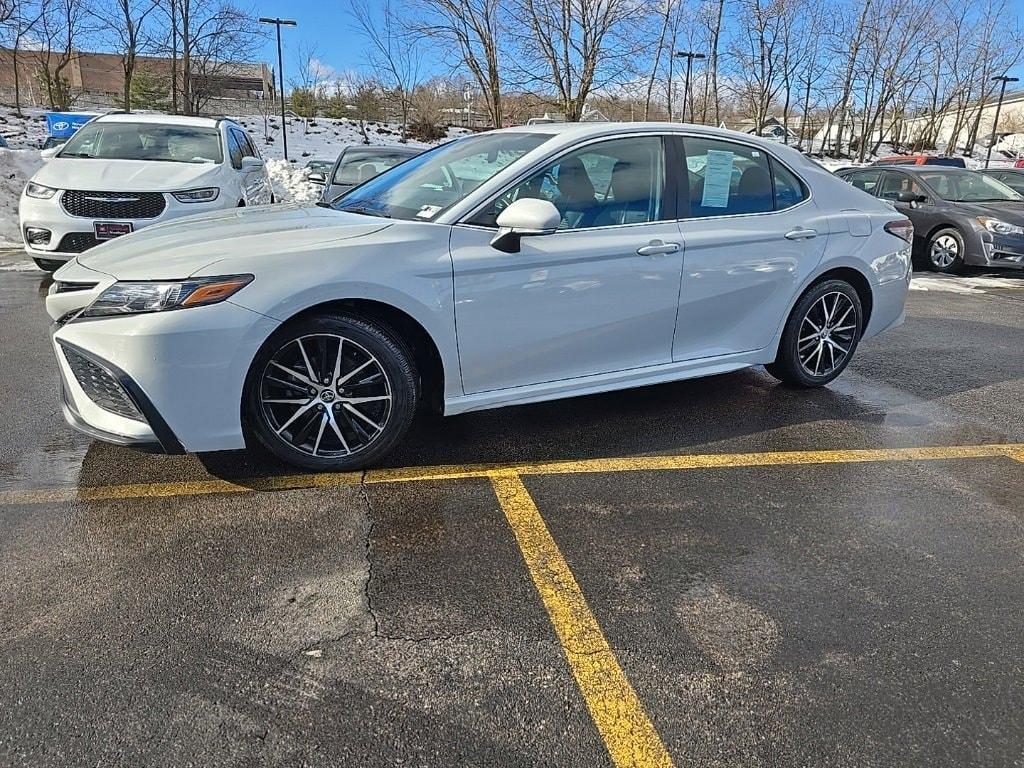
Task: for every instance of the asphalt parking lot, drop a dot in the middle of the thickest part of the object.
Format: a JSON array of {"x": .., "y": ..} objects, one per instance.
[{"x": 709, "y": 573}]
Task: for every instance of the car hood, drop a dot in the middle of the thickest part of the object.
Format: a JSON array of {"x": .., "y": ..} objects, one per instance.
[
  {"x": 180, "y": 248},
  {"x": 123, "y": 175},
  {"x": 1010, "y": 212}
]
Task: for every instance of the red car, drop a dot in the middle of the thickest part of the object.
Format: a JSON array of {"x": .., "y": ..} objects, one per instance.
[
  {"x": 956, "y": 162},
  {"x": 1019, "y": 163}
]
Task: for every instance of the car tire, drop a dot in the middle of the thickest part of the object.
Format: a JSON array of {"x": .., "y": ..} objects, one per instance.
[
  {"x": 808, "y": 348},
  {"x": 333, "y": 432},
  {"x": 946, "y": 251},
  {"x": 49, "y": 265}
]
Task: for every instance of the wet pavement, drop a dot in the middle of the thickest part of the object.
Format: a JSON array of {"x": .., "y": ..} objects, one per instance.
[{"x": 840, "y": 609}]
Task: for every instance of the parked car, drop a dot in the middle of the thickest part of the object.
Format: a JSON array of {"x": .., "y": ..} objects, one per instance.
[
  {"x": 122, "y": 172},
  {"x": 359, "y": 163},
  {"x": 502, "y": 268},
  {"x": 1011, "y": 177},
  {"x": 952, "y": 162},
  {"x": 317, "y": 171},
  {"x": 960, "y": 217},
  {"x": 3, "y": 143}
]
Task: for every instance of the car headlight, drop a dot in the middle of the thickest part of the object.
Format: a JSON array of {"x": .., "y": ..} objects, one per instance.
[
  {"x": 999, "y": 227},
  {"x": 204, "y": 195},
  {"x": 138, "y": 298},
  {"x": 38, "y": 190}
]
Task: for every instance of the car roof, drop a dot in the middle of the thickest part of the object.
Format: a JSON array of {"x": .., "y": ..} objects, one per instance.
[{"x": 135, "y": 117}]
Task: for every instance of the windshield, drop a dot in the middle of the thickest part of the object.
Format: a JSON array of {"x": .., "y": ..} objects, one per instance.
[
  {"x": 968, "y": 187},
  {"x": 361, "y": 165},
  {"x": 145, "y": 141},
  {"x": 424, "y": 186}
]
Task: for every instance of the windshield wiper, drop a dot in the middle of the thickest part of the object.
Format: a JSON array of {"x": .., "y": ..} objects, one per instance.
[
  {"x": 366, "y": 211},
  {"x": 77, "y": 154}
]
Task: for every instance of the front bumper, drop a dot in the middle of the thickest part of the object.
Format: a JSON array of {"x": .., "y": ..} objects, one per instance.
[
  {"x": 72, "y": 235},
  {"x": 1004, "y": 250},
  {"x": 184, "y": 370}
]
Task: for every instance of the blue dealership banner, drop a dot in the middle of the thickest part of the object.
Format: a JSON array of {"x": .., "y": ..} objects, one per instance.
[{"x": 63, "y": 125}]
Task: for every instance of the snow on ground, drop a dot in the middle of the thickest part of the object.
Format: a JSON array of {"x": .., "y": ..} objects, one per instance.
[
  {"x": 957, "y": 284},
  {"x": 16, "y": 167}
]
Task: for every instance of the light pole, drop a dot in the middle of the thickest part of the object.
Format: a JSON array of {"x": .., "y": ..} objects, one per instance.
[
  {"x": 280, "y": 73},
  {"x": 689, "y": 56},
  {"x": 1003, "y": 80}
]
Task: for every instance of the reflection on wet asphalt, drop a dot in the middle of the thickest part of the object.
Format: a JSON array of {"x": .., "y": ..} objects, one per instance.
[{"x": 848, "y": 614}]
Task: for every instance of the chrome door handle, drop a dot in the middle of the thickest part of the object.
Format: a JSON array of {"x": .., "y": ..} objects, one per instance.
[
  {"x": 656, "y": 248},
  {"x": 801, "y": 234}
]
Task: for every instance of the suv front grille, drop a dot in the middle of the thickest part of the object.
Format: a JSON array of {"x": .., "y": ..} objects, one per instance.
[
  {"x": 100, "y": 386},
  {"x": 77, "y": 242},
  {"x": 113, "y": 205}
]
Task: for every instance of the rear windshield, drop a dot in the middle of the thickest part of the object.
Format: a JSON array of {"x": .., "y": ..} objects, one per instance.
[
  {"x": 145, "y": 141},
  {"x": 357, "y": 167}
]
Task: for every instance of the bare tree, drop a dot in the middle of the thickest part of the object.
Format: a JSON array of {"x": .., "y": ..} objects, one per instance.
[
  {"x": 578, "y": 42},
  {"x": 123, "y": 25},
  {"x": 61, "y": 24},
  {"x": 18, "y": 20},
  {"x": 393, "y": 54},
  {"x": 474, "y": 29}
]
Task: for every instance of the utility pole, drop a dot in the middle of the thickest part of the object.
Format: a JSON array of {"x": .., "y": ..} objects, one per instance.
[
  {"x": 280, "y": 73},
  {"x": 687, "y": 96},
  {"x": 1003, "y": 80}
]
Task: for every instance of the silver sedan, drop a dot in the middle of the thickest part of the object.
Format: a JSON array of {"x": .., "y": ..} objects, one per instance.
[{"x": 503, "y": 268}]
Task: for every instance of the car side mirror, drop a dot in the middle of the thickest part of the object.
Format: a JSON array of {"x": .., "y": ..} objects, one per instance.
[
  {"x": 910, "y": 197},
  {"x": 251, "y": 163},
  {"x": 526, "y": 217},
  {"x": 316, "y": 178},
  {"x": 49, "y": 154}
]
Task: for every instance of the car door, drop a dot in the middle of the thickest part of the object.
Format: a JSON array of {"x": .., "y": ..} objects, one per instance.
[
  {"x": 250, "y": 180},
  {"x": 261, "y": 185},
  {"x": 924, "y": 215},
  {"x": 752, "y": 236},
  {"x": 599, "y": 295}
]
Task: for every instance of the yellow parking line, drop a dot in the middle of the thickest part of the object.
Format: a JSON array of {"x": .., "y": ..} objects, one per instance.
[
  {"x": 462, "y": 471},
  {"x": 614, "y": 706}
]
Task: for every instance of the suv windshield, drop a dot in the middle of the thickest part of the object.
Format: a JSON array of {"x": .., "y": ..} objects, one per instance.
[
  {"x": 968, "y": 187},
  {"x": 145, "y": 141},
  {"x": 424, "y": 186}
]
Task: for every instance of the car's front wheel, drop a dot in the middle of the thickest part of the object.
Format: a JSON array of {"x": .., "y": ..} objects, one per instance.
[
  {"x": 946, "y": 251},
  {"x": 331, "y": 392},
  {"x": 820, "y": 336}
]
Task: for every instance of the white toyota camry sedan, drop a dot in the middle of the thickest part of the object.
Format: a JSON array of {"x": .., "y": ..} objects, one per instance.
[{"x": 508, "y": 267}]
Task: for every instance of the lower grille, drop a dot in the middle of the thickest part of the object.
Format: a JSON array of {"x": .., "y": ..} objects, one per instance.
[
  {"x": 113, "y": 205},
  {"x": 100, "y": 386},
  {"x": 77, "y": 242}
]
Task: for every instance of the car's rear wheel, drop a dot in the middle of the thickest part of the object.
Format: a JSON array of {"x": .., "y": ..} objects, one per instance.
[
  {"x": 946, "y": 251},
  {"x": 48, "y": 265},
  {"x": 820, "y": 336},
  {"x": 331, "y": 393}
]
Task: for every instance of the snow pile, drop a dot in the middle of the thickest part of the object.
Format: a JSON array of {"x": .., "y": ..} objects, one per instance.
[
  {"x": 16, "y": 168},
  {"x": 289, "y": 182},
  {"x": 25, "y": 132}
]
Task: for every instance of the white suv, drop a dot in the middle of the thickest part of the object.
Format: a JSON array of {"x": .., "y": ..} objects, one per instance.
[{"x": 121, "y": 172}]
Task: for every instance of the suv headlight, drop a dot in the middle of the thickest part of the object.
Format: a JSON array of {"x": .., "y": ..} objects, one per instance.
[
  {"x": 139, "y": 298},
  {"x": 38, "y": 190},
  {"x": 999, "y": 227},
  {"x": 204, "y": 195}
]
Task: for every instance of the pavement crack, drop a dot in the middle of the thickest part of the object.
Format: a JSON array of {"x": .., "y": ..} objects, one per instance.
[{"x": 365, "y": 494}]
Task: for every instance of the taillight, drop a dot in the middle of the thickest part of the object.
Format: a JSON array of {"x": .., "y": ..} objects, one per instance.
[
  {"x": 1019, "y": 163},
  {"x": 901, "y": 228}
]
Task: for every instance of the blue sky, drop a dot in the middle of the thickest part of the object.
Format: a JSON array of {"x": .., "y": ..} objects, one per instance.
[{"x": 327, "y": 24}]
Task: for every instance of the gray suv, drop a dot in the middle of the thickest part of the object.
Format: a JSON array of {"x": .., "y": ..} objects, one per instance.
[{"x": 960, "y": 217}]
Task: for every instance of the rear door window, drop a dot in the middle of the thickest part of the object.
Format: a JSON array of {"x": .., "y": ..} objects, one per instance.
[
  {"x": 725, "y": 178},
  {"x": 865, "y": 180}
]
